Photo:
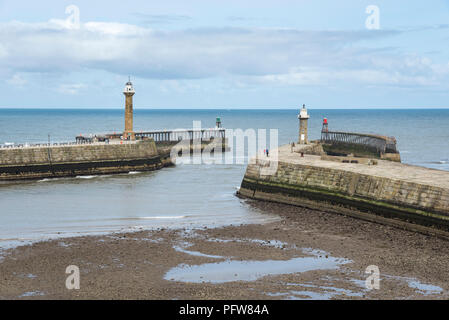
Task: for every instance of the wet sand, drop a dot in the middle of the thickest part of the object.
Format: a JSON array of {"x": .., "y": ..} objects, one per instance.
[{"x": 307, "y": 254}]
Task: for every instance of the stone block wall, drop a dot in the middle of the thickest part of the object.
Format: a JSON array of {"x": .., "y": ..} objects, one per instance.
[
  {"x": 63, "y": 161},
  {"x": 77, "y": 153},
  {"x": 295, "y": 183}
]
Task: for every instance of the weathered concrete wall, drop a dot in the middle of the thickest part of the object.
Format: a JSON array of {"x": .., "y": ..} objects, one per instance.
[
  {"x": 165, "y": 148},
  {"x": 391, "y": 156},
  {"x": 342, "y": 148},
  {"x": 311, "y": 148},
  {"x": 31, "y": 163},
  {"x": 77, "y": 153},
  {"x": 318, "y": 186}
]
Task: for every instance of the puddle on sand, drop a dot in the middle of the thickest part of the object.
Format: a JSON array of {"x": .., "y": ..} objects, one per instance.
[
  {"x": 32, "y": 294},
  {"x": 183, "y": 246},
  {"x": 425, "y": 289},
  {"x": 303, "y": 295},
  {"x": 413, "y": 283},
  {"x": 270, "y": 243},
  {"x": 310, "y": 292},
  {"x": 229, "y": 270}
]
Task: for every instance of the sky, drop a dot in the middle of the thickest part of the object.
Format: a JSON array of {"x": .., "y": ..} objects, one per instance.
[{"x": 225, "y": 54}]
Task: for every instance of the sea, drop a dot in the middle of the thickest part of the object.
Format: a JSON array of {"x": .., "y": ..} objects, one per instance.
[{"x": 189, "y": 195}]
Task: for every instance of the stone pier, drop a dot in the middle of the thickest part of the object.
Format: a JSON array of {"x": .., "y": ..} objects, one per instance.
[
  {"x": 37, "y": 162},
  {"x": 398, "y": 194}
]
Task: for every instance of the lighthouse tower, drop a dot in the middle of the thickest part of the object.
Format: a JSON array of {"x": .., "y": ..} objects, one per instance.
[
  {"x": 129, "y": 92},
  {"x": 303, "y": 119}
]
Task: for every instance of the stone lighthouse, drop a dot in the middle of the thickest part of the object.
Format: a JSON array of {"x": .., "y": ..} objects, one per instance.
[
  {"x": 129, "y": 92},
  {"x": 303, "y": 119}
]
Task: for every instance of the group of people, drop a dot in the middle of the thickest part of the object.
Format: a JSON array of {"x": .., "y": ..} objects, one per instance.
[{"x": 266, "y": 152}]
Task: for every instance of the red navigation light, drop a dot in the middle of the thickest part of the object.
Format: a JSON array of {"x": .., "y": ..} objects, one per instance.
[{"x": 325, "y": 121}]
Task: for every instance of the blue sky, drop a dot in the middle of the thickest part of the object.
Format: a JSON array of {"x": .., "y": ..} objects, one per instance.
[{"x": 224, "y": 54}]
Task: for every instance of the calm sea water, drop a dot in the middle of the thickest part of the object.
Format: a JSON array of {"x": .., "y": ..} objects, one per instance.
[{"x": 186, "y": 195}]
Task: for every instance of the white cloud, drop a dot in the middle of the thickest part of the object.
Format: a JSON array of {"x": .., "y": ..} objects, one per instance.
[
  {"x": 3, "y": 52},
  {"x": 116, "y": 29},
  {"x": 17, "y": 80},
  {"x": 161, "y": 18},
  {"x": 276, "y": 56},
  {"x": 71, "y": 89},
  {"x": 307, "y": 77}
]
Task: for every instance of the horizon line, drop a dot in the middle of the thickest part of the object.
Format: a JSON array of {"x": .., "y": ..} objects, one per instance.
[{"x": 225, "y": 109}]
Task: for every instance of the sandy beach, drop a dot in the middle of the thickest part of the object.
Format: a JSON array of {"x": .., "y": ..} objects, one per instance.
[{"x": 306, "y": 254}]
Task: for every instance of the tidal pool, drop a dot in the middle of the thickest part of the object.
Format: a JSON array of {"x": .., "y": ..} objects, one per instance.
[{"x": 231, "y": 270}]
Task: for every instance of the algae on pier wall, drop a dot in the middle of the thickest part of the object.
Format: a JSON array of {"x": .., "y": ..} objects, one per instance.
[{"x": 389, "y": 189}]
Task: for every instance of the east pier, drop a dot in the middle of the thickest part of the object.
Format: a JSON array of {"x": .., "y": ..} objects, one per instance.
[{"x": 358, "y": 175}]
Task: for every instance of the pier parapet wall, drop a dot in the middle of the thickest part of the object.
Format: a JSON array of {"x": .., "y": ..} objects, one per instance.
[
  {"x": 72, "y": 160},
  {"x": 77, "y": 153}
]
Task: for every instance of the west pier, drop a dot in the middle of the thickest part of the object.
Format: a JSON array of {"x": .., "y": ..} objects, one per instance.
[
  {"x": 108, "y": 153},
  {"x": 53, "y": 161}
]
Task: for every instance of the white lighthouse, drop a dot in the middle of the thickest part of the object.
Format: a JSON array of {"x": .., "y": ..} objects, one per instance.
[{"x": 303, "y": 119}]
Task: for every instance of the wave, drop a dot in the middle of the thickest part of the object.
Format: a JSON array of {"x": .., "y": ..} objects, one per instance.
[
  {"x": 93, "y": 176},
  {"x": 77, "y": 177},
  {"x": 162, "y": 217},
  {"x": 148, "y": 218},
  {"x": 49, "y": 179},
  {"x": 439, "y": 162},
  {"x": 134, "y": 172}
]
